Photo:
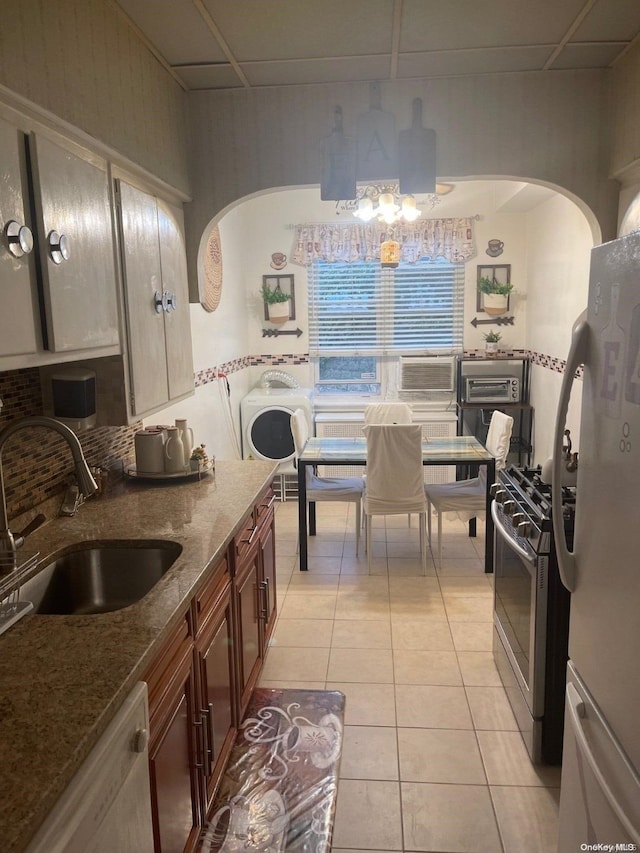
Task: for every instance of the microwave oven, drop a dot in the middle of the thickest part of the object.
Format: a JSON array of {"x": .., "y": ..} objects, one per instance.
[{"x": 491, "y": 389}]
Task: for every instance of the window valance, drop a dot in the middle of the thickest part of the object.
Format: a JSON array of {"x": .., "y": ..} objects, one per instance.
[{"x": 450, "y": 239}]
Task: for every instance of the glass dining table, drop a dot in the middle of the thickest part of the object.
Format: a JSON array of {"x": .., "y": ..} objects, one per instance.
[{"x": 330, "y": 450}]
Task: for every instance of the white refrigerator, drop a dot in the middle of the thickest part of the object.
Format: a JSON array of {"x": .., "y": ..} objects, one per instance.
[{"x": 600, "y": 788}]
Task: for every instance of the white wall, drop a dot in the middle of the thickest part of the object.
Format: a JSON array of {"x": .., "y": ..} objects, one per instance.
[
  {"x": 558, "y": 244},
  {"x": 547, "y": 241}
]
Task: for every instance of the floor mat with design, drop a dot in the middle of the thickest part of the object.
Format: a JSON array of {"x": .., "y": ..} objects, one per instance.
[{"x": 279, "y": 788}]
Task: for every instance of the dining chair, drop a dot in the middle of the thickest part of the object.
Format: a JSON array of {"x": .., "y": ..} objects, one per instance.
[
  {"x": 347, "y": 489},
  {"x": 388, "y": 413},
  {"x": 470, "y": 496},
  {"x": 395, "y": 481}
]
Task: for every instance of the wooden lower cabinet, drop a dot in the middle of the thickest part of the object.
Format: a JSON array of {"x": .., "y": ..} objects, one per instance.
[
  {"x": 249, "y": 600},
  {"x": 217, "y": 700},
  {"x": 175, "y": 792},
  {"x": 201, "y": 681}
]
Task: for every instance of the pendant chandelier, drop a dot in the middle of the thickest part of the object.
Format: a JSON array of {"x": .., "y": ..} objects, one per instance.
[{"x": 385, "y": 203}]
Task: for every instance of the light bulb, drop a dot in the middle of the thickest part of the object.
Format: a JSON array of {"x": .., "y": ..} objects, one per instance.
[
  {"x": 387, "y": 202},
  {"x": 365, "y": 210},
  {"x": 409, "y": 209}
]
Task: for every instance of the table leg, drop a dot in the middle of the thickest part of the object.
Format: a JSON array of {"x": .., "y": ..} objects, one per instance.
[
  {"x": 488, "y": 545},
  {"x": 312, "y": 518},
  {"x": 473, "y": 526},
  {"x": 302, "y": 515}
]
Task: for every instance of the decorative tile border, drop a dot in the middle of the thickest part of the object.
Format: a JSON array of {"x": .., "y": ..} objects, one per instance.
[{"x": 209, "y": 374}]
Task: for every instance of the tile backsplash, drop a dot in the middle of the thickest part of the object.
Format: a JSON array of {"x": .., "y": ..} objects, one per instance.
[{"x": 36, "y": 462}]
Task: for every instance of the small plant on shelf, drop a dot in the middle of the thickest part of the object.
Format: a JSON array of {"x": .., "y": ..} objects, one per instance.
[
  {"x": 491, "y": 341},
  {"x": 492, "y": 337}
]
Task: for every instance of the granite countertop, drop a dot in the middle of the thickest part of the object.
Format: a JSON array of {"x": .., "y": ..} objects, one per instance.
[{"x": 62, "y": 678}]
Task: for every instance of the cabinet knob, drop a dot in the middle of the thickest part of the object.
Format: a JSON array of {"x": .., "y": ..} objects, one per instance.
[
  {"x": 140, "y": 740},
  {"x": 158, "y": 301},
  {"x": 58, "y": 247},
  {"x": 19, "y": 238},
  {"x": 170, "y": 301}
]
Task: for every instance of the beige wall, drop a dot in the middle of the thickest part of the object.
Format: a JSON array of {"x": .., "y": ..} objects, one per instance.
[
  {"x": 79, "y": 60},
  {"x": 543, "y": 127}
]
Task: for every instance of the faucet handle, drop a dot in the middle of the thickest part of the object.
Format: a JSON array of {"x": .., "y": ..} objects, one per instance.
[
  {"x": 33, "y": 525},
  {"x": 73, "y": 499}
]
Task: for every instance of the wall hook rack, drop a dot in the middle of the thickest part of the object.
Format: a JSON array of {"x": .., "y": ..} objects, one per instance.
[
  {"x": 495, "y": 321},
  {"x": 274, "y": 333}
]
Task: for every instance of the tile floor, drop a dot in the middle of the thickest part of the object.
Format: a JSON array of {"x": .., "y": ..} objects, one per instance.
[{"x": 432, "y": 760}]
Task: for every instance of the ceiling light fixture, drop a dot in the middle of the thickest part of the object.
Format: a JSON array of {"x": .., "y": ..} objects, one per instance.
[{"x": 391, "y": 207}]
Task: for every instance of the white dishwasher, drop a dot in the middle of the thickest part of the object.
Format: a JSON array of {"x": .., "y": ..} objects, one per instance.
[{"x": 107, "y": 806}]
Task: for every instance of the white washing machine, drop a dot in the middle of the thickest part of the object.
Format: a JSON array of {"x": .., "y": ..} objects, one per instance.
[{"x": 265, "y": 422}]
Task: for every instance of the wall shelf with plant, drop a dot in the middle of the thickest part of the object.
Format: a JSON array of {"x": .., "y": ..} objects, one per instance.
[{"x": 494, "y": 288}]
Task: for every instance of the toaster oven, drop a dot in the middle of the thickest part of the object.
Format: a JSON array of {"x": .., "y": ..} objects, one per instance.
[{"x": 492, "y": 389}]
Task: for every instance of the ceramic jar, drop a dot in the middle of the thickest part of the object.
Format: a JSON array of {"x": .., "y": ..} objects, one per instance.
[{"x": 174, "y": 462}]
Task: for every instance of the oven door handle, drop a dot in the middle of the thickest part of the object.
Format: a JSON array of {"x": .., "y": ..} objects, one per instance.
[
  {"x": 497, "y": 521},
  {"x": 567, "y": 566}
]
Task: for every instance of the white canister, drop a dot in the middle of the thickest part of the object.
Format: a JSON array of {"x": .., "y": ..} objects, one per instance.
[
  {"x": 149, "y": 447},
  {"x": 174, "y": 462},
  {"x": 186, "y": 434}
]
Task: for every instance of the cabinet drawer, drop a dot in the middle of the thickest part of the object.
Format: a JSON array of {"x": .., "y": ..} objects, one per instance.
[
  {"x": 168, "y": 661},
  {"x": 245, "y": 539},
  {"x": 265, "y": 507},
  {"x": 205, "y": 602}
]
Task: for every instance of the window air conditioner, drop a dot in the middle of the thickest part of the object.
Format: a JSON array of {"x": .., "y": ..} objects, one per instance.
[{"x": 422, "y": 375}]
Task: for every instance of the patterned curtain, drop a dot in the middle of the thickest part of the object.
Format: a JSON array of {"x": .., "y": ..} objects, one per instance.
[{"x": 451, "y": 239}]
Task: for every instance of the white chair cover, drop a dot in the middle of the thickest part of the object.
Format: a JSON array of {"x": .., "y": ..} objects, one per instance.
[
  {"x": 395, "y": 481},
  {"x": 468, "y": 497},
  {"x": 388, "y": 413}
]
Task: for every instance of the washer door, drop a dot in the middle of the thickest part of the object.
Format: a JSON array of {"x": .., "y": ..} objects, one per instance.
[{"x": 269, "y": 434}]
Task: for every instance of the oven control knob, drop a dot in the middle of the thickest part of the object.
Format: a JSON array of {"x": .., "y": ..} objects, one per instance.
[
  {"x": 508, "y": 507},
  {"x": 499, "y": 494},
  {"x": 518, "y": 518},
  {"x": 524, "y": 528}
]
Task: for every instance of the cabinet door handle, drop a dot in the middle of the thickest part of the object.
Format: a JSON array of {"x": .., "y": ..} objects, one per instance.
[
  {"x": 266, "y": 600},
  {"x": 269, "y": 503},
  {"x": 207, "y": 744},
  {"x": 19, "y": 238},
  {"x": 170, "y": 301},
  {"x": 158, "y": 302},
  {"x": 249, "y": 539},
  {"x": 58, "y": 247}
]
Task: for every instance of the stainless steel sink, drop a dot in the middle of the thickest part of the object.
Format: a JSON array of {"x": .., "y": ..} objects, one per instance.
[{"x": 99, "y": 577}]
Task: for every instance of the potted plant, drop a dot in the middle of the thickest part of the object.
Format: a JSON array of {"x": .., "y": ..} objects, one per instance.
[
  {"x": 277, "y": 302},
  {"x": 495, "y": 295},
  {"x": 491, "y": 341}
]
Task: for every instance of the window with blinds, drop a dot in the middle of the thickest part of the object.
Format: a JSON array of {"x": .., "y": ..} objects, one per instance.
[{"x": 360, "y": 312}]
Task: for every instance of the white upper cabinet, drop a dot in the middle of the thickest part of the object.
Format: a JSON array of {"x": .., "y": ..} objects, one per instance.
[
  {"x": 57, "y": 259},
  {"x": 156, "y": 300},
  {"x": 76, "y": 247},
  {"x": 19, "y": 310},
  {"x": 177, "y": 323}
]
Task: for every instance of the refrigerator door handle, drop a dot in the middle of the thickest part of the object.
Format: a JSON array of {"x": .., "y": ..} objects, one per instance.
[
  {"x": 577, "y": 712},
  {"x": 577, "y": 355}
]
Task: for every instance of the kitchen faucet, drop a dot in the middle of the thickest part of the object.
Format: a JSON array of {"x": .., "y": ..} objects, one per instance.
[{"x": 9, "y": 543}]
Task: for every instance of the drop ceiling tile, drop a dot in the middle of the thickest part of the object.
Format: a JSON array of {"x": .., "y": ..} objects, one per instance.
[
  {"x": 316, "y": 71},
  {"x": 176, "y": 29},
  {"x": 291, "y": 29},
  {"x": 610, "y": 20},
  {"x": 468, "y": 24},
  {"x": 586, "y": 56},
  {"x": 457, "y": 62},
  {"x": 209, "y": 77}
]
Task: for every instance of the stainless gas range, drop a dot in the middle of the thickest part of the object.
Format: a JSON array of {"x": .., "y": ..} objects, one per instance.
[{"x": 531, "y": 608}]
